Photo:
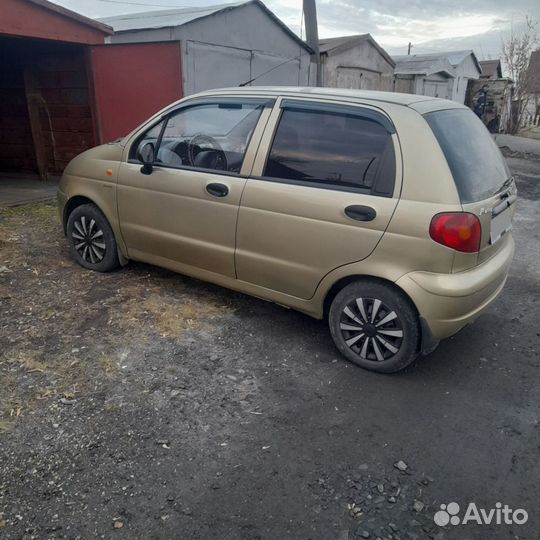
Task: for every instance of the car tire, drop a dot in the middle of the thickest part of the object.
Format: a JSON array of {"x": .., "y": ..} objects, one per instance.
[
  {"x": 91, "y": 239},
  {"x": 375, "y": 326}
]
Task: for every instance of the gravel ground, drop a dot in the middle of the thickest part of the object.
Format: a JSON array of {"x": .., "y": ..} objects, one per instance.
[{"x": 145, "y": 404}]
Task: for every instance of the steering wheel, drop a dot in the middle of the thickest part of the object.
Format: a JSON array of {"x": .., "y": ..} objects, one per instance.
[{"x": 214, "y": 155}]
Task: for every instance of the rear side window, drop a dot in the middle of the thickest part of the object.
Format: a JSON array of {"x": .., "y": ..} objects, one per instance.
[
  {"x": 477, "y": 165},
  {"x": 332, "y": 148}
]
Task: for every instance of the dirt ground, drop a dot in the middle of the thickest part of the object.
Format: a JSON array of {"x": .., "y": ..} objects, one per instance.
[{"x": 145, "y": 404}]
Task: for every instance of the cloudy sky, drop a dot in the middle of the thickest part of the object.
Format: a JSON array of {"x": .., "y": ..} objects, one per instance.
[{"x": 430, "y": 25}]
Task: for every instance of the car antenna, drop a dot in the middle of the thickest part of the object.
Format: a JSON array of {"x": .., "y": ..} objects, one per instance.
[{"x": 271, "y": 69}]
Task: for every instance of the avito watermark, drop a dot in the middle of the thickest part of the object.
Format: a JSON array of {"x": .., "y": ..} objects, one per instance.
[{"x": 501, "y": 514}]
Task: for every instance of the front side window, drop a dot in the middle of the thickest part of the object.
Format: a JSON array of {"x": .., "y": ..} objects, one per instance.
[
  {"x": 211, "y": 136},
  {"x": 332, "y": 148},
  {"x": 149, "y": 136}
]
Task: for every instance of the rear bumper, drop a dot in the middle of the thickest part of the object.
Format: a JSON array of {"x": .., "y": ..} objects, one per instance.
[{"x": 448, "y": 302}]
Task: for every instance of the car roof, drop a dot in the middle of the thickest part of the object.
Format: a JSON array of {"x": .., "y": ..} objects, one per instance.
[{"x": 408, "y": 100}]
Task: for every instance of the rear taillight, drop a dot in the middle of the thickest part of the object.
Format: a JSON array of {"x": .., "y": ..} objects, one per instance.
[{"x": 457, "y": 230}]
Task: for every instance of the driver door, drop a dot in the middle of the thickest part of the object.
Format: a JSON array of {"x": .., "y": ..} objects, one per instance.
[{"x": 183, "y": 213}]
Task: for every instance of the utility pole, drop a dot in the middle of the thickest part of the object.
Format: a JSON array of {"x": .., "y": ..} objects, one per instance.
[
  {"x": 312, "y": 36},
  {"x": 410, "y": 47}
]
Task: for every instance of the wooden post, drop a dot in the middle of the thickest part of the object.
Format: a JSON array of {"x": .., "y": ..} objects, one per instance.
[
  {"x": 90, "y": 80},
  {"x": 34, "y": 103},
  {"x": 312, "y": 35}
]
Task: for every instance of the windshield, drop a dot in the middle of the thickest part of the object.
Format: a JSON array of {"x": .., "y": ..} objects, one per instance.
[{"x": 477, "y": 165}]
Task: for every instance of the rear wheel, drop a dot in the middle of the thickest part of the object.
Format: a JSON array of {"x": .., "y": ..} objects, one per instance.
[
  {"x": 91, "y": 239},
  {"x": 375, "y": 326}
]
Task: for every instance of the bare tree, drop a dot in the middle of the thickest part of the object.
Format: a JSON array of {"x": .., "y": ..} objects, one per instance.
[{"x": 516, "y": 52}]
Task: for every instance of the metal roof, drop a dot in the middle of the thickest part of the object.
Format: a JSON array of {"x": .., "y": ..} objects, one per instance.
[
  {"x": 423, "y": 65},
  {"x": 170, "y": 18},
  {"x": 331, "y": 45},
  {"x": 60, "y": 10},
  {"x": 164, "y": 18},
  {"x": 454, "y": 57}
]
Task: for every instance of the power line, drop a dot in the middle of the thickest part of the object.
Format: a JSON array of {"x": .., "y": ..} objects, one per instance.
[{"x": 141, "y": 4}]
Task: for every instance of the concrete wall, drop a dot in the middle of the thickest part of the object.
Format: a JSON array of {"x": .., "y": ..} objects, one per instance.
[
  {"x": 229, "y": 48},
  {"x": 361, "y": 67},
  {"x": 463, "y": 72}
]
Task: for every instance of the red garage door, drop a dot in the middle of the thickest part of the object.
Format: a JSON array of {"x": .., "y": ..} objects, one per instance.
[{"x": 132, "y": 82}]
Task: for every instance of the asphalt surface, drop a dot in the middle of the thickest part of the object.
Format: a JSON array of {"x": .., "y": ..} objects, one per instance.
[
  {"x": 518, "y": 144},
  {"x": 240, "y": 420}
]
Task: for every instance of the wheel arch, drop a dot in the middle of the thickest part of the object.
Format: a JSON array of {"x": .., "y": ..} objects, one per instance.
[
  {"x": 427, "y": 342},
  {"x": 78, "y": 200},
  {"x": 71, "y": 204},
  {"x": 344, "y": 281}
]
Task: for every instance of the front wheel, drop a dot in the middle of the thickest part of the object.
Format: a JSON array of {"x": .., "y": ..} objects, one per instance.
[
  {"x": 91, "y": 239},
  {"x": 375, "y": 326}
]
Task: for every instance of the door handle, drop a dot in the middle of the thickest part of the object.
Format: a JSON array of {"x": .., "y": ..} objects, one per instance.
[
  {"x": 217, "y": 190},
  {"x": 360, "y": 213}
]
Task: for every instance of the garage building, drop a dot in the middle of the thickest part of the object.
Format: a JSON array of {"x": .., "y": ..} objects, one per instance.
[
  {"x": 62, "y": 90},
  {"x": 356, "y": 62},
  {"x": 444, "y": 74},
  {"x": 425, "y": 76},
  {"x": 222, "y": 46},
  {"x": 45, "y": 98}
]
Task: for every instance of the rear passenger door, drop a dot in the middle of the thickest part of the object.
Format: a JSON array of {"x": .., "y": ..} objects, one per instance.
[{"x": 324, "y": 185}]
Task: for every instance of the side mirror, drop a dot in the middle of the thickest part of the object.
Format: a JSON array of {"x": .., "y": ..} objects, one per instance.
[{"x": 146, "y": 155}]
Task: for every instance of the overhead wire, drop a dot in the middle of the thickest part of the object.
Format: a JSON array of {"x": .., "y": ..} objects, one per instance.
[{"x": 142, "y": 4}]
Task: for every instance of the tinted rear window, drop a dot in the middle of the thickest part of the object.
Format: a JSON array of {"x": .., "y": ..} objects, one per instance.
[
  {"x": 323, "y": 147},
  {"x": 476, "y": 163}
]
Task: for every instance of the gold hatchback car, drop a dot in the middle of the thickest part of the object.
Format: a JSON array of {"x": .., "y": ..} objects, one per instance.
[{"x": 388, "y": 214}]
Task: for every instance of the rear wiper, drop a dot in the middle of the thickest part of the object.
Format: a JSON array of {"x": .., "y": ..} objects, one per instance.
[{"x": 506, "y": 184}]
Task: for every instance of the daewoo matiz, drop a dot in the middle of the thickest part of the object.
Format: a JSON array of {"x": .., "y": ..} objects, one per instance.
[{"x": 387, "y": 213}]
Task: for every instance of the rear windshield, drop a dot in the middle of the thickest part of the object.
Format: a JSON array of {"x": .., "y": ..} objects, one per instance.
[{"x": 476, "y": 163}]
